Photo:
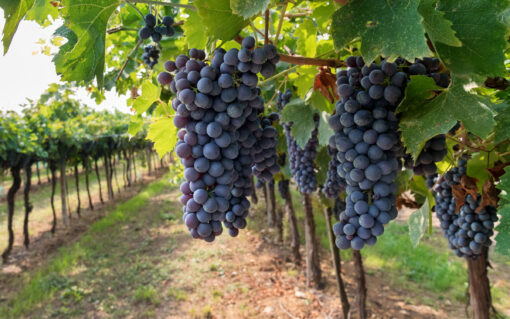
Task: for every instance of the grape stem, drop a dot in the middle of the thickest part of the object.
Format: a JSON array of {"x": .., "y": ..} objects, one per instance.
[
  {"x": 128, "y": 57},
  {"x": 168, "y": 4},
  {"x": 276, "y": 91},
  {"x": 280, "y": 23},
  {"x": 134, "y": 7},
  {"x": 266, "y": 81},
  {"x": 123, "y": 28},
  {"x": 266, "y": 28},
  {"x": 301, "y": 60}
]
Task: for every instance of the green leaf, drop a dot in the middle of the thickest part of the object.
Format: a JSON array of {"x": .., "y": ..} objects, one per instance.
[
  {"x": 503, "y": 229},
  {"x": 150, "y": 94},
  {"x": 301, "y": 115},
  {"x": 88, "y": 20},
  {"x": 322, "y": 163},
  {"x": 14, "y": 11},
  {"x": 480, "y": 27},
  {"x": 41, "y": 10},
  {"x": 439, "y": 29},
  {"x": 502, "y": 128},
  {"x": 325, "y": 131},
  {"x": 306, "y": 34},
  {"x": 418, "y": 223},
  {"x": 164, "y": 135},
  {"x": 477, "y": 167},
  {"x": 248, "y": 8},
  {"x": 135, "y": 124},
  {"x": 194, "y": 30},
  {"x": 303, "y": 79},
  {"x": 388, "y": 28},
  {"x": 424, "y": 116},
  {"x": 219, "y": 20},
  {"x": 319, "y": 102}
]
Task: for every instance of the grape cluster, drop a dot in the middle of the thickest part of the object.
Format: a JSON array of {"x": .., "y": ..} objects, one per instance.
[
  {"x": 302, "y": 160},
  {"x": 334, "y": 184},
  {"x": 156, "y": 32},
  {"x": 338, "y": 208},
  {"x": 434, "y": 151},
  {"x": 150, "y": 55},
  {"x": 467, "y": 231},
  {"x": 368, "y": 148},
  {"x": 265, "y": 157},
  {"x": 218, "y": 119}
]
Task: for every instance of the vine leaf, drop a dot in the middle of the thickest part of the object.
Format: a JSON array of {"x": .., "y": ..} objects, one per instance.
[
  {"x": 502, "y": 128},
  {"x": 489, "y": 195},
  {"x": 88, "y": 20},
  {"x": 301, "y": 115},
  {"x": 194, "y": 30},
  {"x": 498, "y": 170},
  {"x": 425, "y": 114},
  {"x": 439, "y": 29},
  {"x": 135, "y": 124},
  {"x": 150, "y": 94},
  {"x": 218, "y": 19},
  {"x": 306, "y": 34},
  {"x": 248, "y": 8},
  {"x": 40, "y": 12},
  {"x": 164, "y": 135},
  {"x": 322, "y": 160},
  {"x": 14, "y": 11},
  {"x": 325, "y": 131},
  {"x": 479, "y": 24},
  {"x": 503, "y": 229},
  {"x": 387, "y": 28},
  {"x": 325, "y": 83},
  {"x": 477, "y": 167},
  {"x": 418, "y": 223}
]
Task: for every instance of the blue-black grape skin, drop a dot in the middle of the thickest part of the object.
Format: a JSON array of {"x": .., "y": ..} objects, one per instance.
[
  {"x": 469, "y": 230},
  {"x": 220, "y": 125},
  {"x": 367, "y": 144}
]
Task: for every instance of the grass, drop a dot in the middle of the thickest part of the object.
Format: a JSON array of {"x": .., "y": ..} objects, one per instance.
[
  {"x": 431, "y": 266},
  {"x": 147, "y": 294},
  {"x": 95, "y": 255}
]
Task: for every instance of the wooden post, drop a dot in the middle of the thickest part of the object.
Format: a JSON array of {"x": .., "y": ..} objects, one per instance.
[
  {"x": 479, "y": 286},
  {"x": 337, "y": 264},
  {"x": 16, "y": 183},
  {"x": 361, "y": 297},
  {"x": 63, "y": 192},
  {"x": 313, "y": 266},
  {"x": 26, "y": 199}
]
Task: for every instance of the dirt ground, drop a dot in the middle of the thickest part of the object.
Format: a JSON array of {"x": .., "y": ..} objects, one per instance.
[{"x": 152, "y": 268}]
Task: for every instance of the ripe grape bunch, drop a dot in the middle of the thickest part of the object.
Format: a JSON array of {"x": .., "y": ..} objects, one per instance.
[
  {"x": 217, "y": 119},
  {"x": 150, "y": 55},
  {"x": 467, "y": 231},
  {"x": 154, "y": 31},
  {"x": 265, "y": 157},
  {"x": 368, "y": 148},
  {"x": 302, "y": 160},
  {"x": 334, "y": 184}
]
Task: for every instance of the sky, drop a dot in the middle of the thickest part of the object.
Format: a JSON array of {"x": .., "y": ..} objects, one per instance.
[{"x": 26, "y": 73}]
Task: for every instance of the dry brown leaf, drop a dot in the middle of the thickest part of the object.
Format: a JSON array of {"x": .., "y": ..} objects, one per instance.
[
  {"x": 469, "y": 184},
  {"x": 459, "y": 193},
  {"x": 498, "y": 170},
  {"x": 342, "y": 2},
  {"x": 325, "y": 82},
  {"x": 489, "y": 195}
]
